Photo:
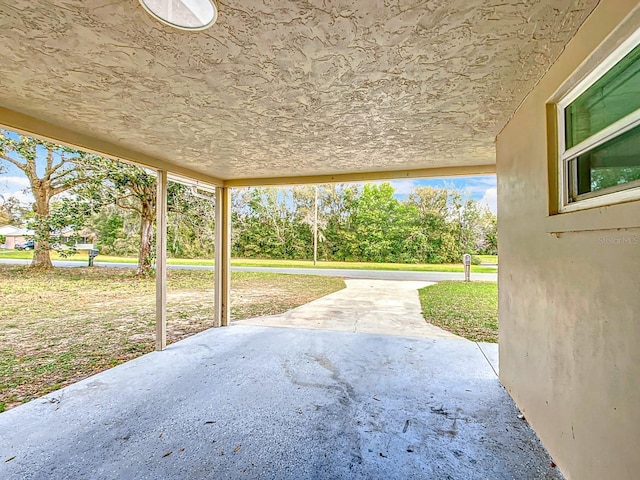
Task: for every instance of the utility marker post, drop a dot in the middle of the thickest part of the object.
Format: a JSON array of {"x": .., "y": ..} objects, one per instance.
[{"x": 466, "y": 260}]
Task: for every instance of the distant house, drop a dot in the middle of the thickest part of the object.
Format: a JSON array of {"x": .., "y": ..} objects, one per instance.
[
  {"x": 82, "y": 239},
  {"x": 14, "y": 235}
]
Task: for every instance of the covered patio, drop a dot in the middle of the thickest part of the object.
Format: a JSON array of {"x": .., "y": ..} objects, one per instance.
[
  {"x": 267, "y": 402},
  {"x": 278, "y": 94},
  {"x": 290, "y": 92}
]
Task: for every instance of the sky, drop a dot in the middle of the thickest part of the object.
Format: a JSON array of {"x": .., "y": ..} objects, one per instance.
[
  {"x": 482, "y": 188},
  {"x": 13, "y": 183}
]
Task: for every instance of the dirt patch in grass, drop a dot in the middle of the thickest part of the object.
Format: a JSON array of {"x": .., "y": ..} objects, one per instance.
[
  {"x": 468, "y": 309},
  {"x": 62, "y": 325}
]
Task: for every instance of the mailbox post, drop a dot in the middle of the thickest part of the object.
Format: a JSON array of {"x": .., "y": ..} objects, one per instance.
[
  {"x": 466, "y": 259},
  {"x": 93, "y": 253}
]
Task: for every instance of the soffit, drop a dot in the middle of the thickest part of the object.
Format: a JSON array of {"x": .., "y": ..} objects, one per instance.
[{"x": 286, "y": 88}]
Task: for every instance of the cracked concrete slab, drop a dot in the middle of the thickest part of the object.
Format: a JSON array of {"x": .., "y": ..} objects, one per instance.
[
  {"x": 254, "y": 402},
  {"x": 385, "y": 307}
]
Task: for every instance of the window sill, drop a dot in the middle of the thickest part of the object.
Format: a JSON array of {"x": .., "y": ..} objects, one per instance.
[{"x": 611, "y": 217}]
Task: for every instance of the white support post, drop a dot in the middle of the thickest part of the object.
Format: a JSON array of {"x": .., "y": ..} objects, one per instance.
[
  {"x": 223, "y": 257},
  {"x": 161, "y": 261},
  {"x": 315, "y": 228}
]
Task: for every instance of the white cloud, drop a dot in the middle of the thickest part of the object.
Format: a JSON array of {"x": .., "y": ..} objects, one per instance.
[
  {"x": 479, "y": 185},
  {"x": 404, "y": 187},
  {"x": 16, "y": 187},
  {"x": 24, "y": 198},
  {"x": 11, "y": 182},
  {"x": 490, "y": 199}
]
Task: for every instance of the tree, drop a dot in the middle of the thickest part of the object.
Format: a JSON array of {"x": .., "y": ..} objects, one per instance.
[
  {"x": 12, "y": 212},
  {"x": 51, "y": 170},
  {"x": 379, "y": 224},
  {"x": 190, "y": 222},
  {"x": 433, "y": 238},
  {"x": 264, "y": 224},
  {"x": 366, "y": 223},
  {"x": 128, "y": 187},
  {"x": 307, "y": 212},
  {"x": 337, "y": 206},
  {"x": 488, "y": 242},
  {"x": 124, "y": 193}
]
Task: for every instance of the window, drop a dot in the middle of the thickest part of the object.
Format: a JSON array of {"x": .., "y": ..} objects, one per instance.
[{"x": 599, "y": 133}]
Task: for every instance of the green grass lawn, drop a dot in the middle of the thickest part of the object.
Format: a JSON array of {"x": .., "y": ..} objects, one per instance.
[
  {"x": 62, "y": 325},
  {"x": 246, "y": 262},
  {"x": 468, "y": 309},
  {"x": 492, "y": 259}
]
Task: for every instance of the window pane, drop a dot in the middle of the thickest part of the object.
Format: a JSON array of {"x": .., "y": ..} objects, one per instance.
[
  {"x": 612, "y": 97},
  {"x": 614, "y": 163}
]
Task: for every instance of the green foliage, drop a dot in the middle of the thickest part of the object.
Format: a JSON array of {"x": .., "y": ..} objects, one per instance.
[
  {"x": 130, "y": 188},
  {"x": 12, "y": 212},
  {"x": 115, "y": 202},
  {"x": 108, "y": 227},
  {"x": 435, "y": 235},
  {"x": 190, "y": 223},
  {"x": 361, "y": 223},
  {"x": 51, "y": 170},
  {"x": 605, "y": 177}
]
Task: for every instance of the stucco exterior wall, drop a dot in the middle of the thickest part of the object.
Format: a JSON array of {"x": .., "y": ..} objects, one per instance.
[{"x": 570, "y": 286}]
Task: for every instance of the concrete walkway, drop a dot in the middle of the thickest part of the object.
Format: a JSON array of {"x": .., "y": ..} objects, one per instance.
[
  {"x": 263, "y": 402},
  {"x": 366, "y": 306},
  {"x": 386, "y": 307}
]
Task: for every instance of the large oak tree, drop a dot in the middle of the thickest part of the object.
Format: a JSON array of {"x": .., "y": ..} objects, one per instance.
[{"x": 51, "y": 170}]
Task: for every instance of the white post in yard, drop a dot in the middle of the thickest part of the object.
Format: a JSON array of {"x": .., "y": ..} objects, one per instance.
[
  {"x": 315, "y": 228},
  {"x": 161, "y": 261},
  {"x": 223, "y": 257},
  {"x": 466, "y": 260}
]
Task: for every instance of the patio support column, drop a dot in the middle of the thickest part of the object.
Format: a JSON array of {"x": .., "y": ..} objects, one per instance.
[
  {"x": 161, "y": 261},
  {"x": 223, "y": 256}
]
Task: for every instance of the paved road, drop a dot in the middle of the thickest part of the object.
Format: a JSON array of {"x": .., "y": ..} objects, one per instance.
[{"x": 329, "y": 272}]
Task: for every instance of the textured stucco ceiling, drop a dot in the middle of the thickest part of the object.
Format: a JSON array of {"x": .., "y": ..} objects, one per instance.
[{"x": 282, "y": 88}]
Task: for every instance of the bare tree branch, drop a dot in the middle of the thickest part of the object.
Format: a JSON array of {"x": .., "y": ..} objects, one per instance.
[
  {"x": 49, "y": 161},
  {"x": 55, "y": 168},
  {"x": 21, "y": 166},
  {"x": 127, "y": 206}
]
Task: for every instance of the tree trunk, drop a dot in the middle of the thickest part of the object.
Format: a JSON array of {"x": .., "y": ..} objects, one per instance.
[
  {"x": 145, "y": 255},
  {"x": 41, "y": 254}
]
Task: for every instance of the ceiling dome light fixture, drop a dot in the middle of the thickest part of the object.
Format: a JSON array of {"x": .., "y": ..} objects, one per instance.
[{"x": 189, "y": 15}]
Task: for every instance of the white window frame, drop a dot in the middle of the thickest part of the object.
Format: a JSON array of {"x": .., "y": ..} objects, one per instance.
[{"x": 605, "y": 196}]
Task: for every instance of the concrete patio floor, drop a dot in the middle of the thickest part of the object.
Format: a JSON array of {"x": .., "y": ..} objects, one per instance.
[{"x": 262, "y": 402}]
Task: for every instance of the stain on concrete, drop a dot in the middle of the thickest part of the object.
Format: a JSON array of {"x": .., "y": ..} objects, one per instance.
[{"x": 301, "y": 404}]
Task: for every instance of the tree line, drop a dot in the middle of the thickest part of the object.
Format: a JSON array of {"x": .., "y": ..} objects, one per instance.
[
  {"x": 365, "y": 223},
  {"x": 115, "y": 202}
]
